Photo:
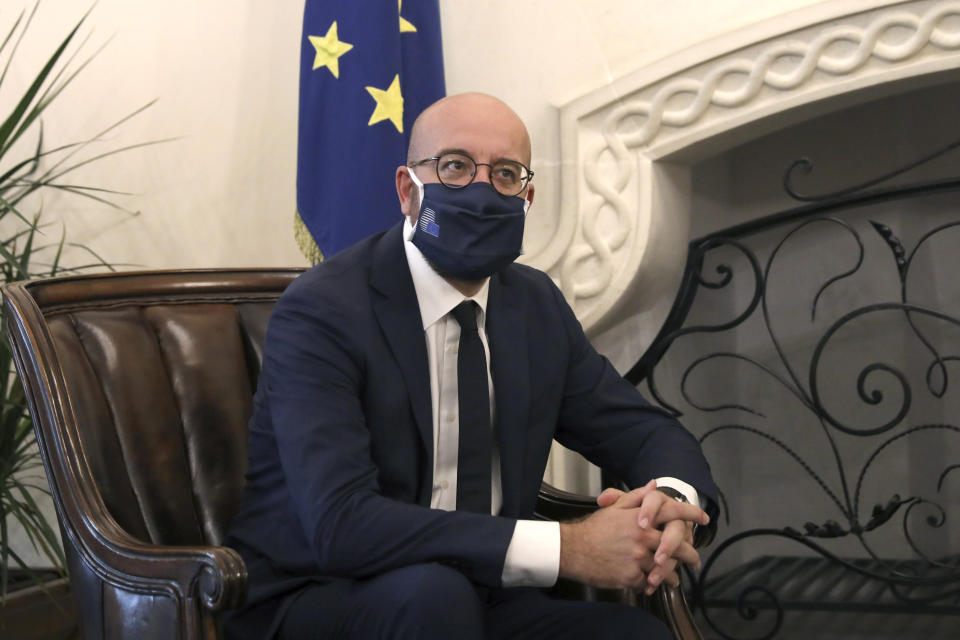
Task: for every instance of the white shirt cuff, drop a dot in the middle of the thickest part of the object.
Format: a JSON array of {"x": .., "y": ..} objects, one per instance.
[
  {"x": 533, "y": 557},
  {"x": 688, "y": 491}
]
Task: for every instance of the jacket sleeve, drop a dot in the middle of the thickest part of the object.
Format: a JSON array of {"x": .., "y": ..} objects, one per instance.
[{"x": 607, "y": 420}]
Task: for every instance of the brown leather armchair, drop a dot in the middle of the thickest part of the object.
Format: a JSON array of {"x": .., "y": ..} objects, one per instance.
[{"x": 140, "y": 386}]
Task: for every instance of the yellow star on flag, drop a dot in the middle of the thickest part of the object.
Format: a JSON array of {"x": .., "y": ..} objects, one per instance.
[
  {"x": 405, "y": 25},
  {"x": 329, "y": 49},
  {"x": 389, "y": 104}
]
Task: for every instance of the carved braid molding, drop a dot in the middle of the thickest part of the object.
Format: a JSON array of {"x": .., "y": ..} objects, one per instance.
[{"x": 597, "y": 259}]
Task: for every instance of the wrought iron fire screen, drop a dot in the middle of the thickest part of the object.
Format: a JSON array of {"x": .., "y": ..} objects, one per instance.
[{"x": 815, "y": 353}]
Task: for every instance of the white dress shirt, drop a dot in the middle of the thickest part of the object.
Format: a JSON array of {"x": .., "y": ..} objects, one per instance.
[{"x": 533, "y": 556}]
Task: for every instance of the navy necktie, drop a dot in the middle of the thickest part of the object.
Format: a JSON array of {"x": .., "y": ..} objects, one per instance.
[{"x": 474, "y": 452}]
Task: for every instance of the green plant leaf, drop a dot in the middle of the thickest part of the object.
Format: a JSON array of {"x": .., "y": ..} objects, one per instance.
[
  {"x": 13, "y": 30},
  {"x": 10, "y": 124},
  {"x": 47, "y": 179},
  {"x": 6, "y": 40},
  {"x": 38, "y": 529},
  {"x": 28, "y": 165},
  {"x": 12, "y": 258},
  {"x": 10, "y": 206}
]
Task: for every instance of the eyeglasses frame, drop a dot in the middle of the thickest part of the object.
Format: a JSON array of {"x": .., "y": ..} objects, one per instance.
[{"x": 436, "y": 170}]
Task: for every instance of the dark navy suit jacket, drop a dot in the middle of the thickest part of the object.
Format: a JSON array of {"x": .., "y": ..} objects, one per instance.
[{"x": 341, "y": 446}]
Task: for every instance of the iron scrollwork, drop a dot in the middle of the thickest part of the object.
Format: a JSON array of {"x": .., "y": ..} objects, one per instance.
[{"x": 919, "y": 582}]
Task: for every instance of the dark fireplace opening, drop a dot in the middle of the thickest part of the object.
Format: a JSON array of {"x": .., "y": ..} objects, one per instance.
[{"x": 815, "y": 350}]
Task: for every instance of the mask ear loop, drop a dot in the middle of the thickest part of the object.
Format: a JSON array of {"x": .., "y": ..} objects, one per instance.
[
  {"x": 526, "y": 206},
  {"x": 416, "y": 181},
  {"x": 419, "y": 185}
]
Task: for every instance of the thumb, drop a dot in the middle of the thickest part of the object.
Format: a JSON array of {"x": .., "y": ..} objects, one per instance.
[{"x": 609, "y": 496}]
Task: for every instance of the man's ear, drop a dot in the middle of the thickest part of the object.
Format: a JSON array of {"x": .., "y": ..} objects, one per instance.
[
  {"x": 405, "y": 190},
  {"x": 529, "y": 195}
]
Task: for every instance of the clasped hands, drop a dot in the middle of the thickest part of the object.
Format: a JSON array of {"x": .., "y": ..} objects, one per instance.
[{"x": 634, "y": 540}]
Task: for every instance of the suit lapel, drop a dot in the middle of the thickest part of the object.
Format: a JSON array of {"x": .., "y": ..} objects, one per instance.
[
  {"x": 509, "y": 368},
  {"x": 398, "y": 313}
]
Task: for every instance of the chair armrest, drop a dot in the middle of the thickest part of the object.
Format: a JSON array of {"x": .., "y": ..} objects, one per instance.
[
  {"x": 671, "y": 606},
  {"x": 668, "y": 602},
  {"x": 215, "y": 576},
  {"x": 559, "y": 505}
]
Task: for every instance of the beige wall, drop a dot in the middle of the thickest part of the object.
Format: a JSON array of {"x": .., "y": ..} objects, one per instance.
[{"x": 225, "y": 76}]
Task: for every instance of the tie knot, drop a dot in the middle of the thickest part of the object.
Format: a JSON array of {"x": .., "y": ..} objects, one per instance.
[{"x": 466, "y": 315}]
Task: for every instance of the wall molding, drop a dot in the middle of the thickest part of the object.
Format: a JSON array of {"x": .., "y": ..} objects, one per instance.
[{"x": 621, "y": 239}]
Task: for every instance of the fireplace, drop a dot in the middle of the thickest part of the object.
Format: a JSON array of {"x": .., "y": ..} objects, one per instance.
[
  {"x": 814, "y": 348},
  {"x": 764, "y": 233}
]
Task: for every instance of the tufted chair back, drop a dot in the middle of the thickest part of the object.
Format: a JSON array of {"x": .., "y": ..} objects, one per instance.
[{"x": 140, "y": 385}]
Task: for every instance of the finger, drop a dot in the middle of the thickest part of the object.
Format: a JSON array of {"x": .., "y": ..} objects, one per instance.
[
  {"x": 676, "y": 510},
  {"x": 688, "y": 555},
  {"x": 685, "y": 552},
  {"x": 650, "y": 507},
  {"x": 666, "y": 565},
  {"x": 609, "y": 496},
  {"x": 625, "y": 500},
  {"x": 658, "y": 575},
  {"x": 635, "y": 498},
  {"x": 651, "y": 541},
  {"x": 673, "y": 535}
]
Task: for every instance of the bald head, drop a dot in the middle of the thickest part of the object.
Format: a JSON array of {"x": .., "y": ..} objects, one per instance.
[
  {"x": 469, "y": 117},
  {"x": 476, "y": 124}
]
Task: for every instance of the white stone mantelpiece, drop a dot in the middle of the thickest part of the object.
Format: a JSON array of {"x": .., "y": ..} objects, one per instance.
[{"x": 619, "y": 246}]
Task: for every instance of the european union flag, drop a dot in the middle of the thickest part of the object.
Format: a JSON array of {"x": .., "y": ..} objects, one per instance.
[{"x": 367, "y": 70}]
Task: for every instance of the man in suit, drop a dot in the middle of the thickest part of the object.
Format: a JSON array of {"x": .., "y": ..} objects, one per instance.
[{"x": 410, "y": 389}]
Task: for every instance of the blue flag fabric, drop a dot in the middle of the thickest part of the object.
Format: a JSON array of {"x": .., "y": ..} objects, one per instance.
[{"x": 367, "y": 70}]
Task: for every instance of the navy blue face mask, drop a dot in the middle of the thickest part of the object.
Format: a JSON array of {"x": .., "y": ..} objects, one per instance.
[{"x": 468, "y": 233}]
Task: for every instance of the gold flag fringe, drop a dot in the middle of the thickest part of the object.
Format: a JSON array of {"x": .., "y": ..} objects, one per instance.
[{"x": 305, "y": 241}]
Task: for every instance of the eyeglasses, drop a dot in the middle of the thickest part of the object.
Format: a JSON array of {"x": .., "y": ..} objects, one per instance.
[{"x": 457, "y": 170}]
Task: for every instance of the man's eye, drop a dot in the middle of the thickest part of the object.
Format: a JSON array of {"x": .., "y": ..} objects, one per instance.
[
  {"x": 452, "y": 166},
  {"x": 508, "y": 174}
]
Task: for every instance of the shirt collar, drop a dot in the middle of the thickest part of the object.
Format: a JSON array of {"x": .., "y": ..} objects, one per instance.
[{"x": 435, "y": 295}]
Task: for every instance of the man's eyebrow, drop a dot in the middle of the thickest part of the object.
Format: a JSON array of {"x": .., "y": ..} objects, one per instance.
[
  {"x": 470, "y": 155},
  {"x": 462, "y": 152}
]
